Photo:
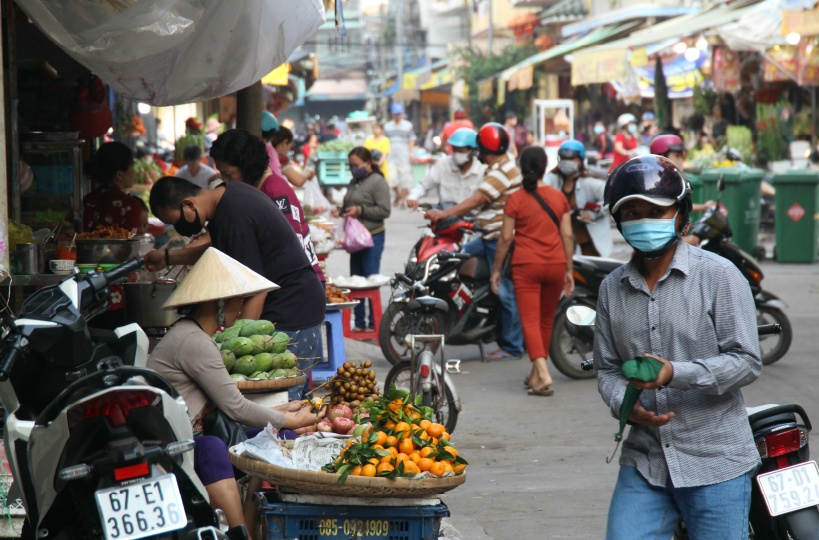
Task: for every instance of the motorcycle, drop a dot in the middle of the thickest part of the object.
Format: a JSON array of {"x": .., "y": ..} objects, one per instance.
[
  {"x": 785, "y": 488},
  {"x": 99, "y": 446},
  {"x": 715, "y": 234},
  {"x": 462, "y": 281}
]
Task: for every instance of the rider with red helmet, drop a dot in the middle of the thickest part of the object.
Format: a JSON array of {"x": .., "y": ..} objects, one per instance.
[
  {"x": 686, "y": 317},
  {"x": 502, "y": 178}
]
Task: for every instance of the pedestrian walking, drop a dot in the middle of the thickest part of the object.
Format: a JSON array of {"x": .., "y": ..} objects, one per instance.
[
  {"x": 501, "y": 180},
  {"x": 367, "y": 200},
  {"x": 590, "y": 221},
  {"x": 625, "y": 142},
  {"x": 378, "y": 141},
  {"x": 690, "y": 452},
  {"x": 456, "y": 176},
  {"x": 510, "y": 124},
  {"x": 538, "y": 218},
  {"x": 401, "y": 135},
  {"x": 602, "y": 141}
]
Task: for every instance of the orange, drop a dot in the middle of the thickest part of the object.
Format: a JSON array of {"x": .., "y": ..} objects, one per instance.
[
  {"x": 374, "y": 460},
  {"x": 425, "y": 464},
  {"x": 406, "y": 446},
  {"x": 401, "y": 458},
  {"x": 411, "y": 467},
  {"x": 424, "y": 436},
  {"x": 448, "y": 466},
  {"x": 384, "y": 467},
  {"x": 445, "y": 436},
  {"x": 452, "y": 450},
  {"x": 368, "y": 470},
  {"x": 392, "y": 441},
  {"x": 435, "y": 430},
  {"x": 402, "y": 430},
  {"x": 459, "y": 468},
  {"x": 437, "y": 469},
  {"x": 434, "y": 441},
  {"x": 386, "y": 459},
  {"x": 415, "y": 415},
  {"x": 382, "y": 438},
  {"x": 415, "y": 457},
  {"x": 426, "y": 451},
  {"x": 394, "y": 407},
  {"x": 356, "y": 470},
  {"x": 393, "y": 451},
  {"x": 365, "y": 434},
  {"x": 389, "y": 424},
  {"x": 424, "y": 423},
  {"x": 377, "y": 447}
]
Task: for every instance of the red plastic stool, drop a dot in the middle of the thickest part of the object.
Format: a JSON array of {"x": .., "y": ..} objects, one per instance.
[{"x": 373, "y": 294}]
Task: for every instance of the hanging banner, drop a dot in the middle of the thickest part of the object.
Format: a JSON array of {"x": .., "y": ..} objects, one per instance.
[
  {"x": 726, "y": 67},
  {"x": 597, "y": 67},
  {"x": 781, "y": 64},
  {"x": 681, "y": 76},
  {"x": 805, "y": 23},
  {"x": 485, "y": 90},
  {"x": 808, "y": 63}
]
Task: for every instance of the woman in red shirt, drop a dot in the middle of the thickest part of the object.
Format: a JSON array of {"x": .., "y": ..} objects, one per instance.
[
  {"x": 625, "y": 143},
  {"x": 541, "y": 263},
  {"x": 108, "y": 205}
]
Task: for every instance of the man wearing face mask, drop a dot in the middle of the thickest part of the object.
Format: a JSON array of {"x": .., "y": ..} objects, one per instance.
[
  {"x": 590, "y": 221},
  {"x": 247, "y": 226},
  {"x": 625, "y": 143},
  {"x": 690, "y": 452},
  {"x": 456, "y": 176}
]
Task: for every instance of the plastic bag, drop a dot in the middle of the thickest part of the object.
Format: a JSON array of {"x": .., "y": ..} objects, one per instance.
[
  {"x": 314, "y": 201},
  {"x": 356, "y": 236},
  {"x": 167, "y": 52}
]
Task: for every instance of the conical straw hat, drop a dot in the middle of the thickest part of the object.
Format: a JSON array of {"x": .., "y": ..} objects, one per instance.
[{"x": 216, "y": 276}]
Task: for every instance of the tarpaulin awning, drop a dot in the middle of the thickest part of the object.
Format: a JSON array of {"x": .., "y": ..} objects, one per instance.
[
  {"x": 640, "y": 12},
  {"x": 337, "y": 90},
  {"x": 611, "y": 62},
  {"x": 564, "y": 11}
]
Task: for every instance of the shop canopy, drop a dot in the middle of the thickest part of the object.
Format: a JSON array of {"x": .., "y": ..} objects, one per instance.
[
  {"x": 766, "y": 25},
  {"x": 611, "y": 62},
  {"x": 637, "y": 12}
]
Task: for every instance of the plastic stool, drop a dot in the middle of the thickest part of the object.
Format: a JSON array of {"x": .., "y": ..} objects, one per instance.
[
  {"x": 373, "y": 294},
  {"x": 336, "y": 355}
]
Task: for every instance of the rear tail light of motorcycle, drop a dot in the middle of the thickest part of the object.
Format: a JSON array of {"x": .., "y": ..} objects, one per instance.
[
  {"x": 115, "y": 406},
  {"x": 756, "y": 277},
  {"x": 782, "y": 442},
  {"x": 131, "y": 471}
]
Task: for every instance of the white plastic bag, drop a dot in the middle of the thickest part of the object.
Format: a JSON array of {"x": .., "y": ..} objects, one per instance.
[
  {"x": 168, "y": 52},
  {"x": 314, "y": 201}
]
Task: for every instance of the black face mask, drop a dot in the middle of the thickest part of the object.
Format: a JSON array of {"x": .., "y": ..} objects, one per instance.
[{"x": 187, "y": 228}]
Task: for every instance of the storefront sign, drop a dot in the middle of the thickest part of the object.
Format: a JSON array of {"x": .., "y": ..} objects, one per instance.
[
  {"x": 805, "y": 23},
  {"x": 681, "y": 76},
  {"x": 598, "y": 67},
  {"x": 726, "y": 67},
  {"x": 485, "y": 90}
]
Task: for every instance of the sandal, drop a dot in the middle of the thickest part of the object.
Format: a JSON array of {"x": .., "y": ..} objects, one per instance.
[
  {"x": 500, "y": 354},
  {"x": 543, "y": 392}
]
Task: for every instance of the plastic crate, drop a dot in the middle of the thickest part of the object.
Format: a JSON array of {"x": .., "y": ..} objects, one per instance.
[
  {"x": 334, "y": 171},
  {"x": 332, "y": 155},
  {"x": 288, "y": 520}
]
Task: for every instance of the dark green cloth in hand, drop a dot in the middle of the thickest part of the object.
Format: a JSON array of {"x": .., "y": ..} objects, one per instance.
[{"x": 641, "y": 368}]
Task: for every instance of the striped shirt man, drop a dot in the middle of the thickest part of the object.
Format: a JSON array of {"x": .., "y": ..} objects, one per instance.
[{"x": 501, "y": 180}]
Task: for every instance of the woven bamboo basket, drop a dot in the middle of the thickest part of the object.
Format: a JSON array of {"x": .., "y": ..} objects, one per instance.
[
  {"x": 322, "y": 483},
  {"x": 269, "y": 385}
]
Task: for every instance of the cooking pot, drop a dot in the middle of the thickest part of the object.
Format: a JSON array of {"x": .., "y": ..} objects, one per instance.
[{"x": 143, "y": 303}]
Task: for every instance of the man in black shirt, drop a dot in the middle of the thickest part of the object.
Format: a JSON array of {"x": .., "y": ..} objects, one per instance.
[{"x": 246, "y": 225}]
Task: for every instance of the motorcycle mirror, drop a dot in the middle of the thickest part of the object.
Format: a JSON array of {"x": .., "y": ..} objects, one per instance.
[
  {"x": 721, "y": 183},
  {"x": 581, "y": 315}
]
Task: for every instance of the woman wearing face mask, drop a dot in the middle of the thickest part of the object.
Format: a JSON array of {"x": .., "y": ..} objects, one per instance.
[
  {"x": 602, "y": 141},
  {"x": 590, "y": 221},
  {"x": 625, "y": 143},
  {"x": 368, "y": 200}
]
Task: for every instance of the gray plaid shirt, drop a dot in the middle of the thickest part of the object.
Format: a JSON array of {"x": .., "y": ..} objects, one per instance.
[{"x": 701, "y": 317}]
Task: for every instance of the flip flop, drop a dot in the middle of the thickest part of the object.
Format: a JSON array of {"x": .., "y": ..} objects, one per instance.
[
  {"x": 544, "y": 392},
  {"x": 500, "y": 354}
]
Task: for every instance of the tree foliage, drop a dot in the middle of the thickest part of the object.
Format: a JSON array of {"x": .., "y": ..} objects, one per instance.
[{"x": 476, "y": 66}]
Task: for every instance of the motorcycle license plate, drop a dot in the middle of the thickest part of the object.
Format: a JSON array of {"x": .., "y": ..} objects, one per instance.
[
  {"x": 145, "y": 508},
  {"x": 790, "y": 489}
]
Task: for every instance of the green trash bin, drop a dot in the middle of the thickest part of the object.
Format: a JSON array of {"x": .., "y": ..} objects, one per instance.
[
  {"x": 694, "y": 176},
  {"x": 797, "y": 204},
  {"x": 741, "y": 196}
]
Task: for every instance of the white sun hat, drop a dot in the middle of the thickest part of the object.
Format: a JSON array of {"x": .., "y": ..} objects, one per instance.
[{"x": 216, "y": 276}]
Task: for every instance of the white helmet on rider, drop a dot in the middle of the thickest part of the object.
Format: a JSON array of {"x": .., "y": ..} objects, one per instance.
[{"x": 625, "y": 119}]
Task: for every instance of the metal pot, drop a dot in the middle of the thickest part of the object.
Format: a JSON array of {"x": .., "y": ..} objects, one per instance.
[{"x": 143, "y": 303}]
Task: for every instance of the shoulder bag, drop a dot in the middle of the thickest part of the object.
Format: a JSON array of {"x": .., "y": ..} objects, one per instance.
[
  {"x": 506, "y": 269},
  {"x": 218, "y": 424}
]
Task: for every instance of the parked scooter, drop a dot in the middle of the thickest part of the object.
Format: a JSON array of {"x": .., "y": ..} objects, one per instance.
[
  {"x": 462, "y": 281},
  {"x": 99, "y": 446},
  {"x": 785, "y": 488}
]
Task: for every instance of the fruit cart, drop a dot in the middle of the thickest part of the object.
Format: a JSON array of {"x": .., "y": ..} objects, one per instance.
[{"x": 333, "y": 169}]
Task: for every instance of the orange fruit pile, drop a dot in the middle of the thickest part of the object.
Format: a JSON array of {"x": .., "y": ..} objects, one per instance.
[{"x": 402, "y": 441}]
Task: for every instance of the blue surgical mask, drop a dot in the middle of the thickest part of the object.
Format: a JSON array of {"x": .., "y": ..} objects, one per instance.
[
  {"x": 599, "y": 129},
  {"x": 647, "y": 235},
  {"x": 359, "y": 173},
  {"x": 632, "y": 128}
]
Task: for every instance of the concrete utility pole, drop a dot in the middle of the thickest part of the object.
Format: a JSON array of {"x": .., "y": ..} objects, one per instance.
[
  {"x": 249, "y": 108},
  {"x": 399, "y": 41}
]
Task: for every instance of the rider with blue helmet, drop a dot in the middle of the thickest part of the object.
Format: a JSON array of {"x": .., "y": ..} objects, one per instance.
[
  {"x": 456, "y": 176},
  {"x": 590, "y": 221}
]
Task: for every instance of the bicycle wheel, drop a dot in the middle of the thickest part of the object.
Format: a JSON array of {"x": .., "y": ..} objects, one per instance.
[
  {"x": 396, "y": 324},
  {"x": 442, "y": 403}
]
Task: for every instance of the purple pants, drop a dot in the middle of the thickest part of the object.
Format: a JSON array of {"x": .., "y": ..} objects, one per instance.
[{"x": 210, "y": 457}]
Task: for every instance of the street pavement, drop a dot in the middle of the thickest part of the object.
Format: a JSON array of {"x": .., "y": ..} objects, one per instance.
[{"x": 538, "y": 464}]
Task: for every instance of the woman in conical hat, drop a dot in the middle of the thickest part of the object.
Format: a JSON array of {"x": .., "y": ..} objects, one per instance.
[{"x": 211, "y": 296}]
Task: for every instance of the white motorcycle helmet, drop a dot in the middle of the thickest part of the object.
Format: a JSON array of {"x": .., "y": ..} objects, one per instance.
[{"x": 625, "y": 119}]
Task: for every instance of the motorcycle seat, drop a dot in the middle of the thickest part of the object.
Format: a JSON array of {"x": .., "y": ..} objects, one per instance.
[{"x": 428, "y": 304}]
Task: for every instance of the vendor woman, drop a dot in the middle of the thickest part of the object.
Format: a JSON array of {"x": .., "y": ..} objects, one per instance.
[
  {"x": 211, "y": 296},
  {"x": 108, "y": 204}
]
